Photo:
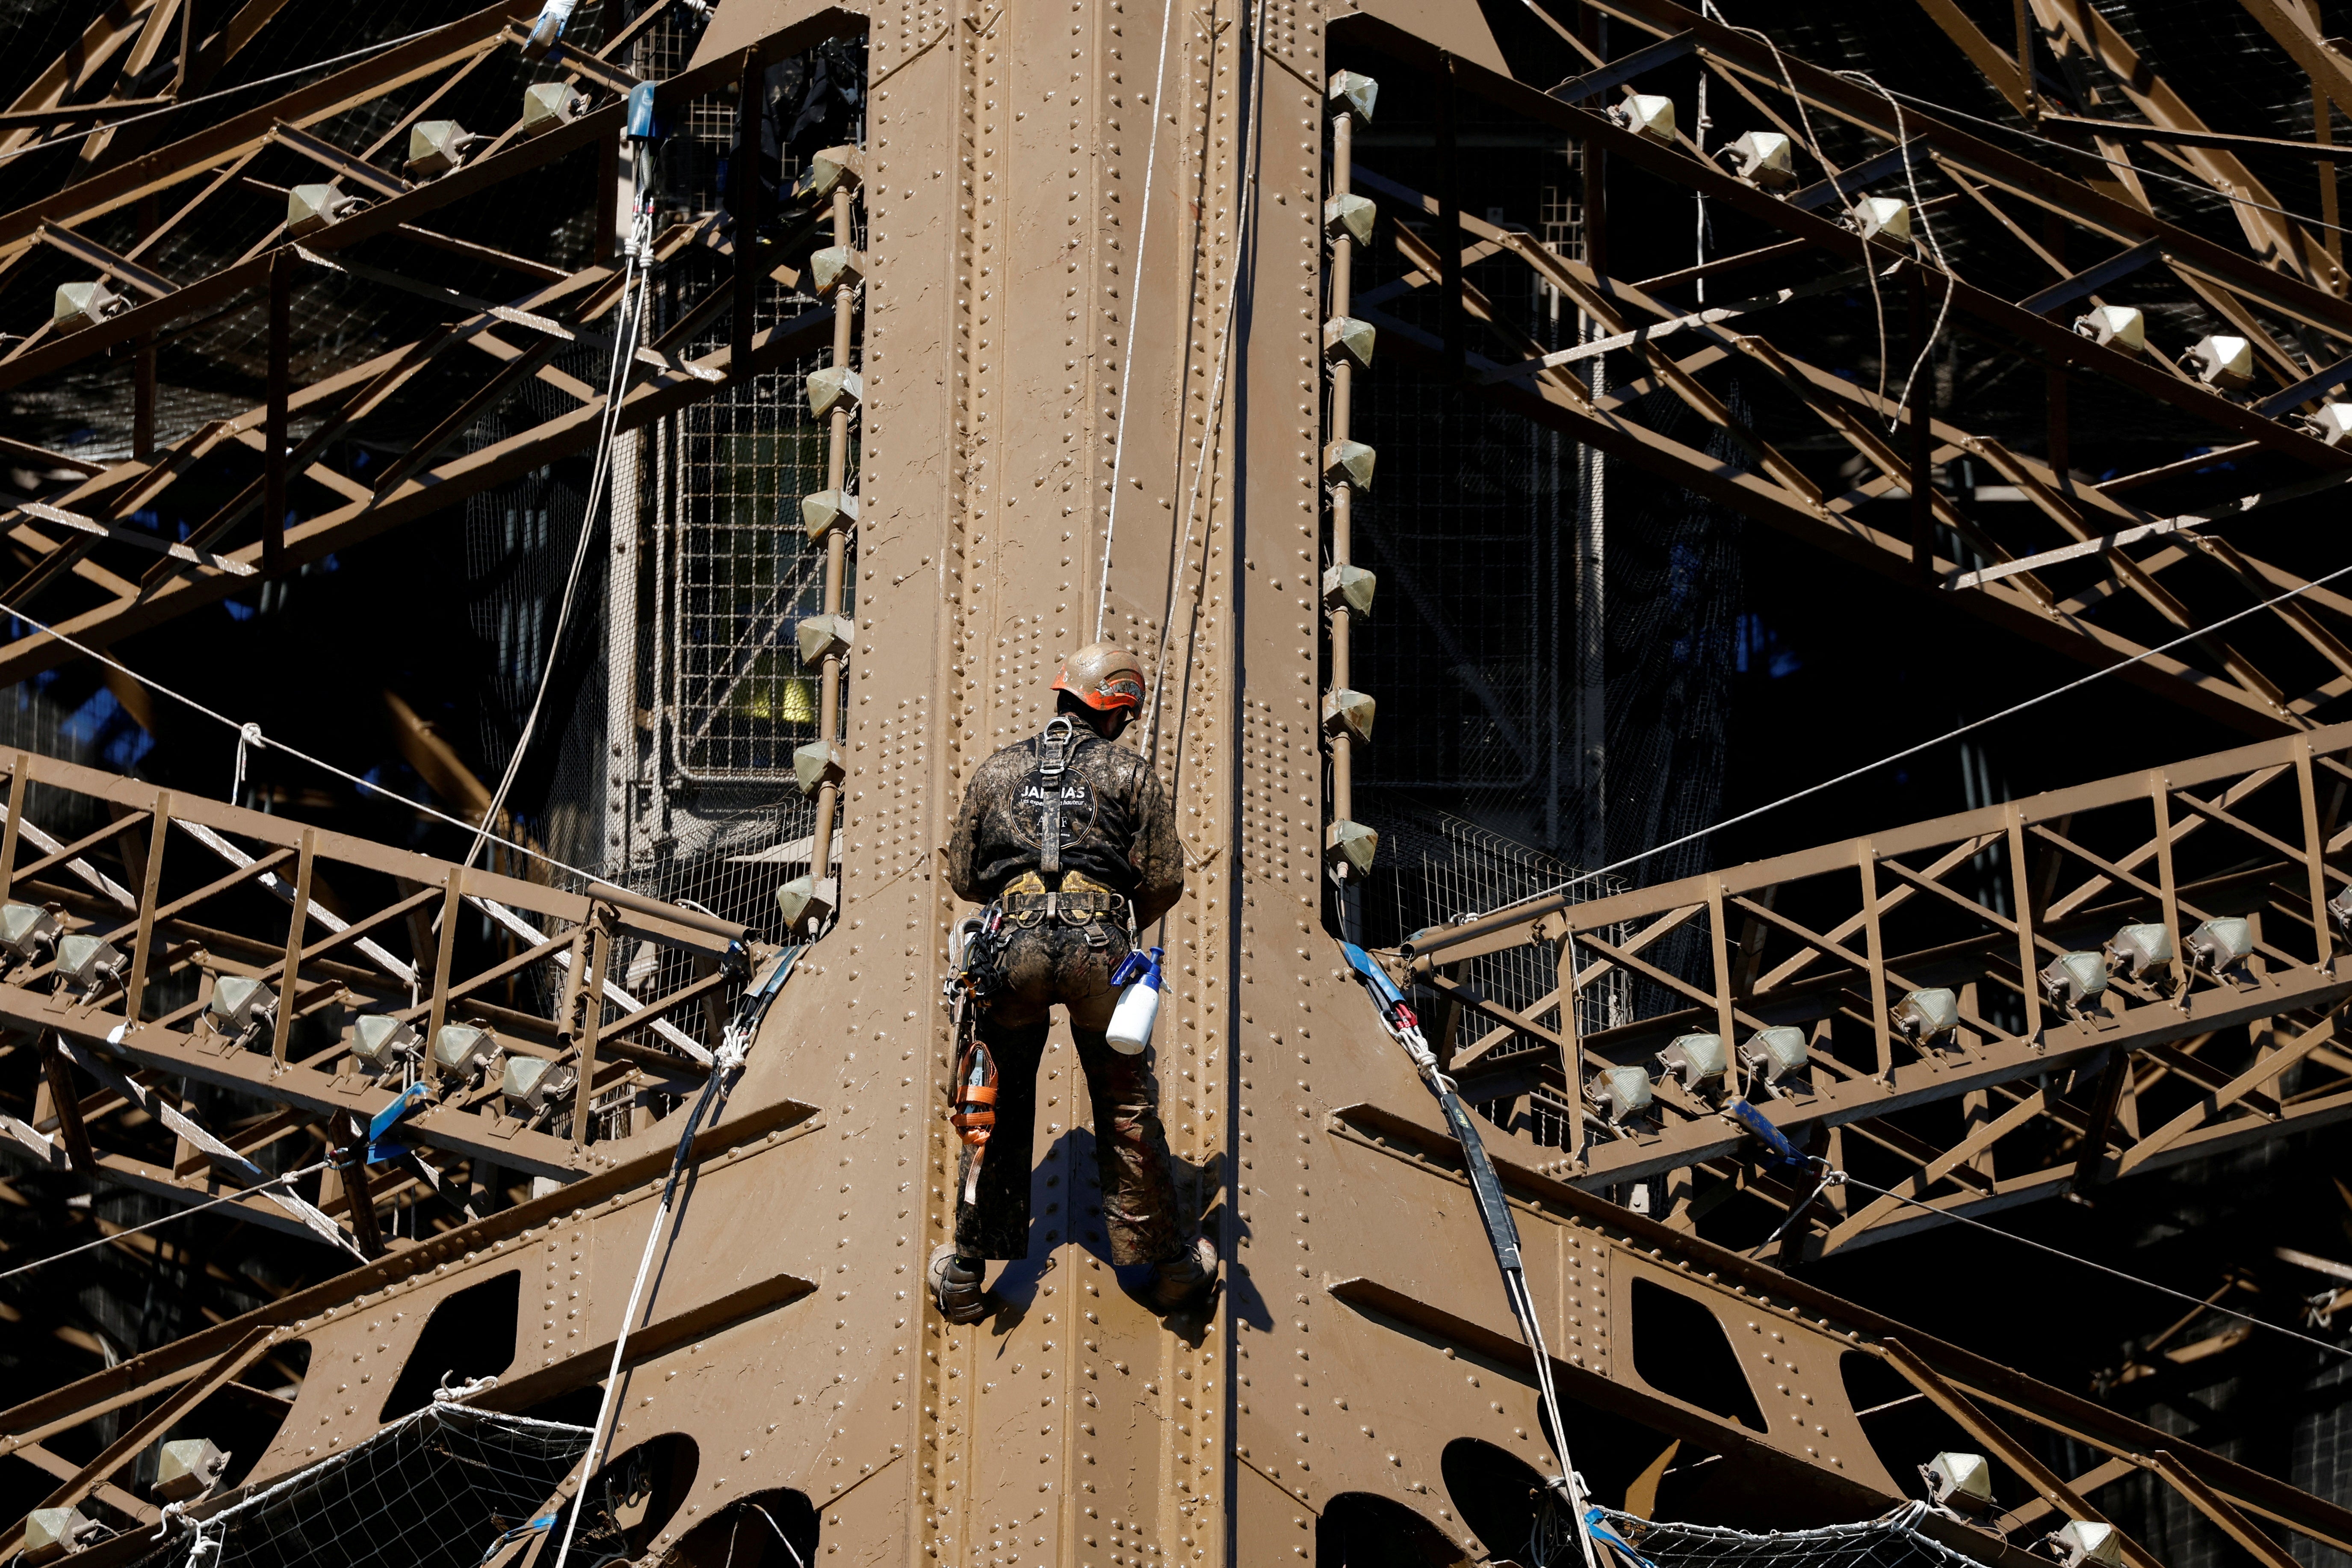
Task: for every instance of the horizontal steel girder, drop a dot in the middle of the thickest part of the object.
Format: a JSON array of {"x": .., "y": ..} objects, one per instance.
[{"x": 1830, "y": 939}]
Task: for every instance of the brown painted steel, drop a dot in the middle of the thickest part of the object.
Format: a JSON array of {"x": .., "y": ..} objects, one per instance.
[{"x": 1069, "y": 430}]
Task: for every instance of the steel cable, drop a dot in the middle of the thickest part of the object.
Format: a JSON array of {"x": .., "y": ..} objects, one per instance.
[{"x": 1952, "y": 734}]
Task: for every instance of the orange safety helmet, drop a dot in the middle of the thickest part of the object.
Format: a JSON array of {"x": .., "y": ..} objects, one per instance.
[{"x": 1104, "y": 676}]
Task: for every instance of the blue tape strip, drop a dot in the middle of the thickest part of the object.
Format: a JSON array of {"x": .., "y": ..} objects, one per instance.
[
  {"x": 1764, "y": 1133},
  {"x": 381, "y": 1148},
  {"x": 1384, "y": 990}
]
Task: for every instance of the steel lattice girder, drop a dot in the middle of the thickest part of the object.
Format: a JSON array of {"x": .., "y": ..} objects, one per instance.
[
  {"x": 2011, "y": 595},
  {"x": 184, "y": 937},
  {"x": 558, "y": 311},
  {"x": 786, "y": 1332},
  {"x": 2255, "y": 833}
]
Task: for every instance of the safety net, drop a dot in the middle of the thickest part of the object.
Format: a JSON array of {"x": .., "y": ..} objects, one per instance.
[
  {"x": 434, "y": 1489},
  {"x": 1891, "y": 1540}
]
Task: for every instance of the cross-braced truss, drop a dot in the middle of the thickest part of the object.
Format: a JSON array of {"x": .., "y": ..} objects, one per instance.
[
  {"x": 2107, "y": 570},
  {"x": 390, "y": 231},
  {"x": 1974, "y": 1013},
  {"x": 164, "y": 946}
]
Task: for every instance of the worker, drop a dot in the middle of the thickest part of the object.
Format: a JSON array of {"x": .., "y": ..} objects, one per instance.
[{"x": 1070, "y": 840}]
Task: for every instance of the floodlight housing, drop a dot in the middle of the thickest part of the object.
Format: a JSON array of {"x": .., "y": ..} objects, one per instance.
[
  {"x": 381, "y": 1043},
  {"x": 1618, "y": 1093},
  {"x": 1768, "y": 1056},
  {"x": 2219, "y": 944},
  {"x": 1352, "y": 92},
  {"x": 1881, "y": 217},
  {"x": 532, "y": 1084},
  {"x": 464, "y": 1050},
  {"x": 88, "y": 962},
  {"x": 1962, "y": 1482},
  {"x": 2119, "y": 327},
  {"x": 2223, "y": 363},
  {"x": 2074, "y": 980},
  {"x": 1765, "y": 158},
  {"x": 2136, "y": 950},
  {"x": 239, "y": 1002},
  {"x": 188, "y": 1468},
  {"x": 1650, "y": 116},
  {"x": 79, "y": 305},
  {"x": 1698, "y": 1059},
  {"x": 2086, "y": 1543},
  {"x": 27, "y": 931},
  {"x": 1925, "y": 1014}
]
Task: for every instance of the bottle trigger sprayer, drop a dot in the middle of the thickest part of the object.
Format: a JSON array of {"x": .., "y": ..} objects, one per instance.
[{"x": 1139, "y": 1005}]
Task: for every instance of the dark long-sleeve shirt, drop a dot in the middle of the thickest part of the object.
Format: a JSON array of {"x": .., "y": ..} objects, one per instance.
[{"x": 1122, "y": 835}]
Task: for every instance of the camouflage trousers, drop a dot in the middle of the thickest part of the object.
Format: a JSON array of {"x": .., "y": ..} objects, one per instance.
[{"x": 1038, "y": 966}]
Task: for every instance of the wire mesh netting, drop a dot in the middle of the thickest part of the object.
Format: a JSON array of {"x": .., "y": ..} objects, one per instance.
[
  {"x": 664, "y": 758},
  {"x": 434, "y": 1490},
  {"x": 1451, "y": 869},
  {"x": 742, "y": 571},
  {"x": 1894, "y": 1541}
]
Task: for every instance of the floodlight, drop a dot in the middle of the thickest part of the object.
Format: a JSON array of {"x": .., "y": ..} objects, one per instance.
[
  {"x": 1699, "y": 1060},
  {"x": 2114, "y": 326},
  {"x": 1923, "y": 1015},
  {"x": 1881, "y": 217},
  {"x": 2072, "y": 980},
  {"x": 27, "y": 931},
  {"x": 380, "y": 1042},
  {"x": 2223, "y": 363},
  {"x": 1618, "y": 1093},
  {"x": 1770, "y": 1055},
  {"x": 1765, "y": 158},
  {"x": 1647, "y": 115},
  {"x": 2218, "y": 945},
  {"x": 464, "y": 1050},
  {"x": 188, "y": 1468},
  {"x": 2136, "y": 950},
  {"x": 1959, "y": 1481}
]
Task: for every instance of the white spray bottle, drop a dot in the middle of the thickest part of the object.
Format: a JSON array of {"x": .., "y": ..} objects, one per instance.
[{"x": 1139, "y": 1005}]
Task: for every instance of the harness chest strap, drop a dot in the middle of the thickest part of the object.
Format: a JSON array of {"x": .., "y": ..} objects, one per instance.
[{"x": 1053, "y": 760}]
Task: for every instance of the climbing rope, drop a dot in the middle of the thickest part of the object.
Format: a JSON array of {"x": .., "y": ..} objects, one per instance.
[
  {"x": 625, "y": 334},
  {"x": 1566, "y": 1491},
  {"x": 1135, "y": 285},
  {"x": 734, "y": 1047}
]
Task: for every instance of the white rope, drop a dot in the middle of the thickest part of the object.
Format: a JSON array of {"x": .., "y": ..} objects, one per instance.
[
  {"x": 1952, "y": 734},
  {"x": 112, "y": 1236},
  {"x": 2199, "y": 186},
  {"x": 734, "y": 1046},
  {"x": 625, "y": 349},
  {"x": 1927, "y": 227},
  {"x": 1832, "y": 1177},
  {"x": 1134, "y": 300},
  {"x": 248, "y": 734},
  {"x": 1214, "y": 423}
]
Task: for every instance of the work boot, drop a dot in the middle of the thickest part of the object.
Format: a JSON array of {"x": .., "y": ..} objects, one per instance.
[
  {"x": 1185, "y": 1281},
  {"x": 956, "y": 1285}
]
